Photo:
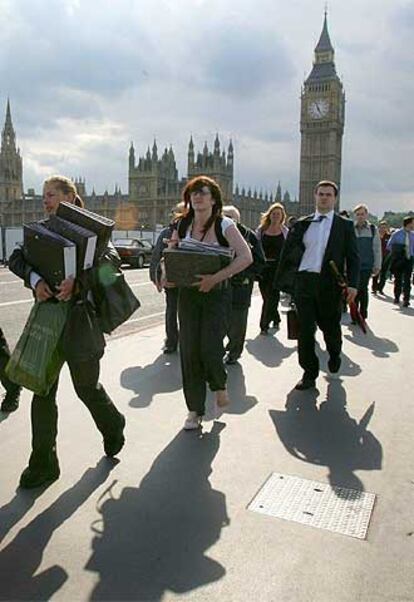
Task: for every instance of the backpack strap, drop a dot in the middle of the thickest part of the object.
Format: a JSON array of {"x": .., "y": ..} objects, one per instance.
[
  {"x": 221, "y": 239},
  {"x": 372, "y": 230}
]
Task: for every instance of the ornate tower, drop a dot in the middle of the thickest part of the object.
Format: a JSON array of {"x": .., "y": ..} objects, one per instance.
[
  {"x": 11, "y": 168},
  {"x": 321, "y": 123},
  {"x": 213, "y": 164}
]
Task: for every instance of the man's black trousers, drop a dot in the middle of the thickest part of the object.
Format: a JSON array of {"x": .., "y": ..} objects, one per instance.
[
  {"x": 171, "y": 320},
  {"x": 318, "y": 304},
  {"x": 402, "y": 280}
]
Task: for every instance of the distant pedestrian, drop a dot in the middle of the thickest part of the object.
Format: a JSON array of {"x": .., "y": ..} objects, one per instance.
[
  {"x": 305, "y": 272},
  {"x": 272, "y": 233},
  {"x": 401, "y": 245},
  {"x": 203, "y": 308},
  {"x": 369, "y": 249},
  {"x": 10, "y": 401},
  {"x": 241, "y": 289},
  {"x": 378, "y": 281},
  {"x": 171, "y": 294}
]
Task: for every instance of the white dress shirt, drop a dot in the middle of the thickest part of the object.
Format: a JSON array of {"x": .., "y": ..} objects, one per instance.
[{"x": 315, "y": 241}]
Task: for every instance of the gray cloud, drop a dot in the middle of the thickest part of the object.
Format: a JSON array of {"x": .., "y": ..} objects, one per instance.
[{"x": 85, "y": 77}]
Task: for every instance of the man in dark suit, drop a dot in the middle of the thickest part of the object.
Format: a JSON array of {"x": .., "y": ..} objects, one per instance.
[{"x": 305, "y": 273}]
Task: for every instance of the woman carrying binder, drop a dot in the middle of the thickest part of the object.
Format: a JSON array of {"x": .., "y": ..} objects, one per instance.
[
  {"x": 203, "y": 308},
  {"x": 84, "y": 366}
]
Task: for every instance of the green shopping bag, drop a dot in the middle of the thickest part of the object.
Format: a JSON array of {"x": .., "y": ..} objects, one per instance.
[{"x": 36, "y": 360}]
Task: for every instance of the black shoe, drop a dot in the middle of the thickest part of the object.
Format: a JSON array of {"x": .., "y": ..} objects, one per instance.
[
  {"x": 334, "y": 363},
  {"x": 114, "y": 442},
  {"x": 406, "y": 303},
  {"x": 264, "y": 331},
  {"x": 35, "y": 477},
  {"x": 229, "y": 360},
  {"x": 10, "y": 402},
  {"x": 167, "y": 349},
  {"x": 396, "y": 301},
  {"x": 305, "y": 383}
]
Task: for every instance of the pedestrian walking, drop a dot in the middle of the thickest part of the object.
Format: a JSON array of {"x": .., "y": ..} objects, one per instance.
[
  {"x": 43, "y": 464},
  {"x": 305, "y": 272},
  {"x": 241, "y": 289},
  {"x": 378, "y": 281},
  {"x": 401, "y": 245},
  {"x": 370, "y": 258},
  {"x": 171, "y": 293},
  {"x": 272, "y": 233},
  {"x": 203, "y": 308}
]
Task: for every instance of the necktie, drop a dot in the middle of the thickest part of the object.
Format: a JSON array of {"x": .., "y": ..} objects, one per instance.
[{"x": 320, "y": 218}]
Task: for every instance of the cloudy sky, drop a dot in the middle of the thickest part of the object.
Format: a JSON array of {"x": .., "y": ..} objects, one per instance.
[{"x": 85, "y": 77}]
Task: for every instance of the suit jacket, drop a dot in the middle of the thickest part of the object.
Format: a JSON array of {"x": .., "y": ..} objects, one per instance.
[{"x": 341, "y": 248}]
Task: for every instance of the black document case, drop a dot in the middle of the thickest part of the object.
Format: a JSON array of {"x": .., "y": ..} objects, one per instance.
[
  {"x": 84, "y": 239},
  {"x": 51, "y": 255},
  {"x": 100, "y": 225}
]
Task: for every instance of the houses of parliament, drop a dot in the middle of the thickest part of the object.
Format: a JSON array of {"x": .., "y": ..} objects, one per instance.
[{"x": 154, "y": 186}]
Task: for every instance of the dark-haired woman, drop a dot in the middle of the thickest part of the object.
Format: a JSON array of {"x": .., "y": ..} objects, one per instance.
[
  {"x": 43, "y": 463},
  {"x": 202, "y": 309},
  {"x": 272, "y": 233}
]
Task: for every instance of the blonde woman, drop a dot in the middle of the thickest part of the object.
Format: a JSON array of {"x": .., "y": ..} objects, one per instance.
[
  {"x": 84, "y": 366},
  {"x": 272, "y": 233}
]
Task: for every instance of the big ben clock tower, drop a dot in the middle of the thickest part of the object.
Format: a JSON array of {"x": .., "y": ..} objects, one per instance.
[{"x": 321, "y": 124}]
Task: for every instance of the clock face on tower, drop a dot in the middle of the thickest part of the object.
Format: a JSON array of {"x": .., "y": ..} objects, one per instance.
[{"x": 319, "y": 108}]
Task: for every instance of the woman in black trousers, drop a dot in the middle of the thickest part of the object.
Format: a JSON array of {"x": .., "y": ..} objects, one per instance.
[
  {"x": 272, "y": 233},
  {"x": 203, "y": 308},
  {"x": 83, "y": 364}
]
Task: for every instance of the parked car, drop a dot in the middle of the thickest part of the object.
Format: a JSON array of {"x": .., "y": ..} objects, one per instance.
[{"x": 134, "y": 251}]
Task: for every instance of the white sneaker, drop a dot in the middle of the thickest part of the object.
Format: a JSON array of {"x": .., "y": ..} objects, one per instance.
[{"x": 192, "y": 422}]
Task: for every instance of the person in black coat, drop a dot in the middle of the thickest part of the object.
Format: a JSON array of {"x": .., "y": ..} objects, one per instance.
[
  {"x": 305, "y": 273},
  {"x": 241, "y": 289},
  {"x": 171, "y": 294},
  {"x": 83, "y": 360},
  {"x": 10, "y": 402}
]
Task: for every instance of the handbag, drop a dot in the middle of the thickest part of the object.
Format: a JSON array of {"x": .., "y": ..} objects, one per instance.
[
  {"x": 37, "y": 358},
  {"x": 82, "y": 337},
  {"x": 292, "y": 324},
  {"x": 114, "y": 299}
]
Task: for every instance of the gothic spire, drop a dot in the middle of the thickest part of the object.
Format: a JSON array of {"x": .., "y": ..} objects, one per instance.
[
  {"x": 8, "y": 140},
  {"x": 324, "y": 44}
]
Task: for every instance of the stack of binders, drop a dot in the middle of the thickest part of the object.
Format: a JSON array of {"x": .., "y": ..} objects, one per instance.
[
  {"x": 51, "y": 255},
  {"x": 98, "y": 224},
  {"x": 184, "y": 264},
  {"x": 84, "y": 239}
]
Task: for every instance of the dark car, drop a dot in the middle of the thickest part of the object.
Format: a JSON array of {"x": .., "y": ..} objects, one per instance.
[{"x": 134, "y": 251}]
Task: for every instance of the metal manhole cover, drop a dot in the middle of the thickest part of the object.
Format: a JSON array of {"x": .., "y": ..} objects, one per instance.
[{"x": 338, "y": 509}]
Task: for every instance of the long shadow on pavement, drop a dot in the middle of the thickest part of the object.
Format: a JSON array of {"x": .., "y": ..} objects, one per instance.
[
  {"x": 236, "y": 386},
  {"x": 154, "y": 537},
  {"x": 161, "y": 376},
  {"x": 268, "y": 350},
  {"x": 327, "y": 435},
  {"x": 380, "y": 347},
  {"x": 21, "y": 558}
]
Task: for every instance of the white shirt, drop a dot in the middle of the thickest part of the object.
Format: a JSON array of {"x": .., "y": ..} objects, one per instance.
[{"x": 315, "y": 241}]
